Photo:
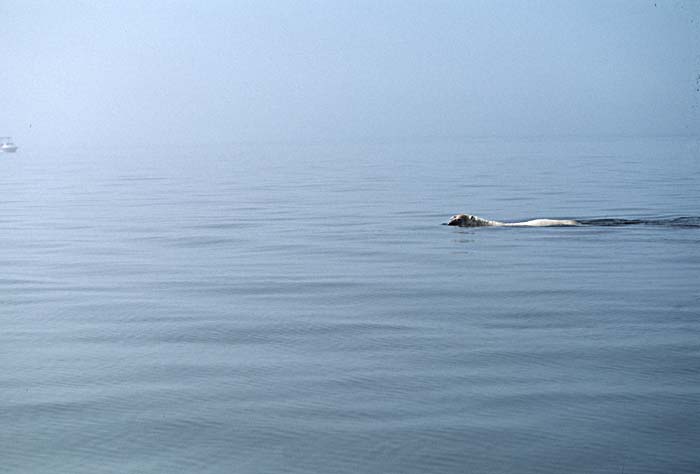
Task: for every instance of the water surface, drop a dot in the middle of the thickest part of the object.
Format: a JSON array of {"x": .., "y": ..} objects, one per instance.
[{"x": 299, "y": 308}]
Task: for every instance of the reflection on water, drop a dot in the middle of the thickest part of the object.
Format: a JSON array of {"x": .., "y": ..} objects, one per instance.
[{"x": 301, "y": 309}]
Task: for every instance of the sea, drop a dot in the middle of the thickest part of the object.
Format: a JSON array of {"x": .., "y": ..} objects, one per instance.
[{"x": 301, "y": 308}]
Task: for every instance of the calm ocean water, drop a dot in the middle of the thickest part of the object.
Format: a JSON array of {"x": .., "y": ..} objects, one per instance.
[{"x": 301, "y": 309}]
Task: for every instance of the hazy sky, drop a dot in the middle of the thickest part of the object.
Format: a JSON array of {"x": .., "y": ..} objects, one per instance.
[{"x": 97, "y": 72}]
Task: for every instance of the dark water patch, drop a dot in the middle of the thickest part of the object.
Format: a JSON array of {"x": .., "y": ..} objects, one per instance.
[{"x": 689, "y": 221}]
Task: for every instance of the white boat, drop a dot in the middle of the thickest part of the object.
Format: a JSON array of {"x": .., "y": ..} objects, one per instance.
[{"x": 6, "y": 145}]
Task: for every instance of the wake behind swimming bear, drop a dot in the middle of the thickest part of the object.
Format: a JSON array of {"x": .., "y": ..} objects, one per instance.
[{"x": 467, "y": 220}]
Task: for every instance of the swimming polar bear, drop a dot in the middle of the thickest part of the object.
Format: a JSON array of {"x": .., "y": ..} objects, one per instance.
[{"x": 466, "y": 220}]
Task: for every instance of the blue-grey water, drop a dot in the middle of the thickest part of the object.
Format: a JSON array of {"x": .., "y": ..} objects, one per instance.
[{"x": 269, "y": 308}]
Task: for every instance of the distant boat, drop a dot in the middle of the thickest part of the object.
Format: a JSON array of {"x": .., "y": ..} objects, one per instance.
[{"x": 6, "y": 145}]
